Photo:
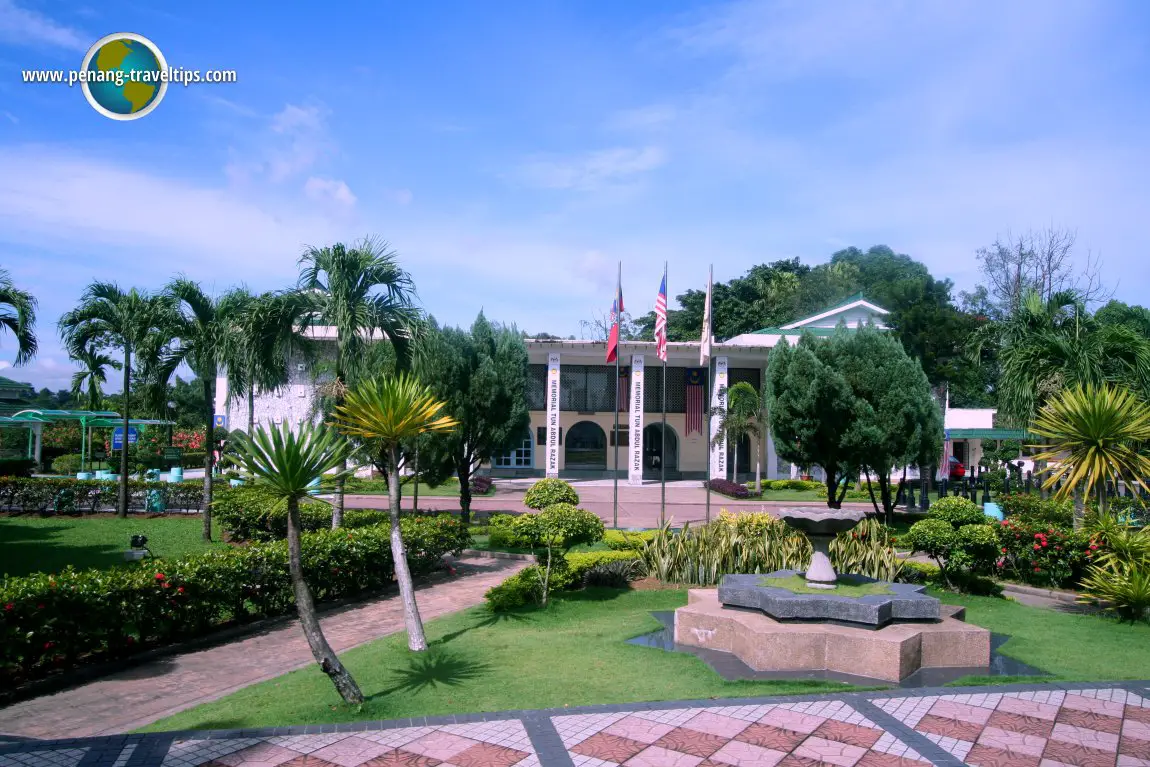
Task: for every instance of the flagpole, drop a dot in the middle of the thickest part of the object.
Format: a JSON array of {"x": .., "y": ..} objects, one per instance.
[
  {"x": 710, "y": 335},
  {"x": 663, "y": 449},
  {"x": 618, "y": 354}
]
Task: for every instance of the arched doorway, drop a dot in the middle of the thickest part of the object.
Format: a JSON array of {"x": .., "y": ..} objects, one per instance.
[
  {"x": 741, "y": 460},
  {"x": 653, "y": 458},
  {"x": 585, "y": 448}
]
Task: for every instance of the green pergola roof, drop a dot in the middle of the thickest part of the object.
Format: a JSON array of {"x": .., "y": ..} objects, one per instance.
[
  {"x": 987, "y": 433},
  {"x": 98, "y": 418}
]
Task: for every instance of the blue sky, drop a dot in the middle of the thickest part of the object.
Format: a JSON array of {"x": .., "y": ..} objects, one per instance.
[{"x": 513, "y": 152}]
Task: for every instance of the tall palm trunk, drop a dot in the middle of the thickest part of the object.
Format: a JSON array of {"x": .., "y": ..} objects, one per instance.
[
  {"x": 209, "y": 453},
  {"x": 1079, "y": 508},
  {"x": 415, "y": 479},
  {"x": 122, "y": 506},
  {"x": 337, "y": 500},
  {"x": 320, "y": 649},
  {"x": 416, "y": 641}
]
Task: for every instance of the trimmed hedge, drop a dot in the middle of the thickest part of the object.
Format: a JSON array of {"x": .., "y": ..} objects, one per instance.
[
  {"x": 248, "y": 513},
  {"x": 547, "y": 492},
  {"x": 38, "y": 496},
  {"x": 728, "y": 488},
  {"x": 50, "y": 622},
  {"x": 67, "y": 464},
  {"x": 623, "y": 540},
  {"x": 523, "y": 588}
]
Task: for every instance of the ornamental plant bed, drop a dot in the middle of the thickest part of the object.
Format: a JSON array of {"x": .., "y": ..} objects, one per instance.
[{"x": 798, "y": 585}]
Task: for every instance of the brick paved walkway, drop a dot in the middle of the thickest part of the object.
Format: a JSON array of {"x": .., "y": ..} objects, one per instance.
[
  {"x": 1036, "y": 725},
  {"x": 141, "y": 695}
]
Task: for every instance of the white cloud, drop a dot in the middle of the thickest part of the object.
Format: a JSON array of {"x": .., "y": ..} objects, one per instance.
[
  {"x": 329, "y": 189},
  {"x": 591, "y": 171},
  {"x": 11, "y": 117},
  {"x": 22, "y": 26},
  {"x": 294, "y": 141}
]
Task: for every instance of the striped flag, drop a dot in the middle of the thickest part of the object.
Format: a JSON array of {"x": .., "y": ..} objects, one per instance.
[
  {"x": 705, "y": 341},
  {"x": 616, "y": 314},
  {"x": 661, "y": 319},
  {"x": 696, "y": 395}
]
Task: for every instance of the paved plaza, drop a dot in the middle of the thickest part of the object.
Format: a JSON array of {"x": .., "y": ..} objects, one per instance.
[{"x": 1038, "y": 725}]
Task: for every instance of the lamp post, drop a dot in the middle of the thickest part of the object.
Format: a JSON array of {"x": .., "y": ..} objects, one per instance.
[{"x": 171, "y": 413}]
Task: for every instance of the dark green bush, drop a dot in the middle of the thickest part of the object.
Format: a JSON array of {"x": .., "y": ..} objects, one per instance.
[
  {"x": 548, "y": 492},
  {"x": 249, "y": 513},
  {"x": 58, "y": 621},
  {"x": 67, "y": 464},
  {"x": 977, "y": 549},
  {"x": 615, "y": 574},
  {"x": 502, "y": 533},
  {"x": 16, "y": 467},
  {"x": 1032, "y": 509},
  {"x": 957, "y": 511},
  {"x": 38, "y": 495},
  {"x": 524, "y": 587}
]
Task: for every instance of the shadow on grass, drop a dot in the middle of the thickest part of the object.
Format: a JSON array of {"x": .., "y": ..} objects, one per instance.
[
  {"x": 491, "y": 619},
  {"x": 593, "y": 594},
  {"x": 26, "y": 549},
  {"x": 431, "y": 670}
]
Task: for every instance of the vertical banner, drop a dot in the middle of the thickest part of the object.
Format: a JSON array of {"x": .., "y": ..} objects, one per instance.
[
  {"x": 719, "y": 405},
  {"x": 553, "y": 414},
  {"x": 635, "y": 422}
]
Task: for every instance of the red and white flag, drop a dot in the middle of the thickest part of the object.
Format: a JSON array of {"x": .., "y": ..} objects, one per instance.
[
  {"x": 661, "y": 319},
  {"x": 616, "y": 315}
]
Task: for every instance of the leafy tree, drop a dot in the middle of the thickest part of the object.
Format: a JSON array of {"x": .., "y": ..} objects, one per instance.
[
  {"x": 1137, "y": 318},
  {"x": 556, "y": 529},
  {"x": 385, "y": 413},
  {"x": 1097, "y": 435},
  {"x": 811, "y": 410},
  {"x": 898, "y": 422},
  {"x": 18, "y": 317},
  {"x": 482, "y": 376},
  {"x": 285, "y": 463},
  {"x": 364, "y": 294},
  {"x": 114, "y": 318},
  {"x": 92, "y": 375},
  {"x": 1052, "y": 344},
  {"x": 200, "y": 329},
  {"x": 742, "y": 418}
]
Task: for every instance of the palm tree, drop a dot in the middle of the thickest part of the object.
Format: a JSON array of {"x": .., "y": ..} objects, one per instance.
[
  {"x": 18, "y": 315},
  {"x": 284, "y": 463},
  {"x": 128, "y": 321},
  {"x": 362, "y": 292},
  {"x": 87, "y": 381},
  {"x": 386, "y": 413},
  {"x": 1046, "y": 346},
  {"x": 1096, "y": 435},
  {"x": 199, "y": 330},
  {"x": 743, "y": 417}
]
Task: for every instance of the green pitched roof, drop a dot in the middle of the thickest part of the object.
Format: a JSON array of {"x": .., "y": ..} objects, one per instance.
[
  {"x": 815, "y": 331},
  {"x": 824, "y": 332}
]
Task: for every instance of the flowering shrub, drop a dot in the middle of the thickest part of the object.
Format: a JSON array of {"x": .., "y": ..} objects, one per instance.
[
  {"x": 481, "y": 485},
  {"x": 65, "y": 434},
  {"x": 1044, "y": 555},
  {"x": 62, "y": 620},
  {"x": 30, "y": 496},
  {"x": 728, "y": 488}
]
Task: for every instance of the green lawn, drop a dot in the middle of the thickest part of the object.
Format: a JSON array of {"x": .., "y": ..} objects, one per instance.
[
  {"x": 570, "y": 655},
  {"x": 574, "y": 654},
  {"x": 35, "y": 544},
  {"x": 449, "y": 489}
]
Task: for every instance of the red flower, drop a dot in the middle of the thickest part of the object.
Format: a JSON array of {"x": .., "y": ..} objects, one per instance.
[
  {"x": 130, "y": 640},
  {"x": 1038, "y": 569},
  {"x": 160, "y": 576},
  {"x": 9, "y": 606},
  {"x": 1037, "y": 547},
  {"x": 1003, "y": 549},
  {"x": 167, "y": 585},
  {"x": 40, "y": 607},
  {"x": 49, "y": 645},
  {"x": 180, "y": 590},
  {"x": 1044, "y": 544},
  {"x": 1093, "y": 546}
]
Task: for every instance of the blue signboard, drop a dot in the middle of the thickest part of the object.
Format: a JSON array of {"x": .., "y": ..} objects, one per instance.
[
  {"x": 221, "y": 422},
  {"x": 118, "y": 437}
]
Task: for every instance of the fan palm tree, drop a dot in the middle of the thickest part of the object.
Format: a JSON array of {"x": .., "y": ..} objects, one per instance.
[
  {"x": 1049, "y": 345},
  {"x": 92, "y": 375},
  {"x": 18, "y": 316},
  {"x": 743, "y": 417},
  {"x": 384, "y": 414},
  {"x": 284, "y": 463},
  {"x": 126, "y": 320},
  {"x": 200, "y": 328},
  {"x": 1096, "y": 434},
  {"x": 363, "y": 293}
]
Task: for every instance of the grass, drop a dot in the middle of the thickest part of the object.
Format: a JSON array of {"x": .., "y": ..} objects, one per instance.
[
  {"x": 798, "y": 585},
  {"x": 572, "y": 654},
  {"x": 449, "y": 489},
  {"x": 36, "y": 544}
]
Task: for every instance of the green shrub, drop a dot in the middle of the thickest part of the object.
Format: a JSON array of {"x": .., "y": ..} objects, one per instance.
[
  {"x": 936, "y": 538},
  {"x": 502, "y": 533},
  {"x": 250, "y": 513},
  {"x": 918, "y": 572},
  {"x": 1032, "y": 509},
  {"x": 790, "y": 484},
  {"x": 67, "y": 464},
  {"x": 615, "y": 574},
  {"x": 50, "y": 622},
  {"x": 16, "y": 467},
  {"x": 524, "y": 588},
  {"x": 957, "y": 511},
  {"x": 555, "y": 530},
  {"x": 547, "y": 492},
  {"x": 977, "y": 550},
  {"x": 626, "y": 540},
  {"x": 38, "y": 495}
]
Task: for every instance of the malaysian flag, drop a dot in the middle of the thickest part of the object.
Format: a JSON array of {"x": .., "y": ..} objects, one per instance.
[
  {"x": 696, "y": 397},
  {"x": 661, "y": 319},
  {"x": 616, "y": 312}
]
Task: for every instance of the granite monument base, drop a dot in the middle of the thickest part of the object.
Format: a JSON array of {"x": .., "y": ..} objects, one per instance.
[{"x": 890, "y": 653}]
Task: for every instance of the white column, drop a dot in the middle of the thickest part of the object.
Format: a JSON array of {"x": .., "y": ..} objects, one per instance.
[
  {"x": 772, "y": 457},
  {"x": 635, "y": 422},
  {"x": 38, "y": 444},
  {"x": 552, "y": 465},
  {"x": 719, "y": 404}
]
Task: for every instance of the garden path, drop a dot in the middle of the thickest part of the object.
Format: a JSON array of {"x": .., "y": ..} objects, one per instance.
[
  {"x": 1023, "y": 725},
  {"x": 159, "y": 688}
]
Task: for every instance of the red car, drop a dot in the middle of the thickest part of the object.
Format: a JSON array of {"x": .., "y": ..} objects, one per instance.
[{"x": 957, "y": 470}]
